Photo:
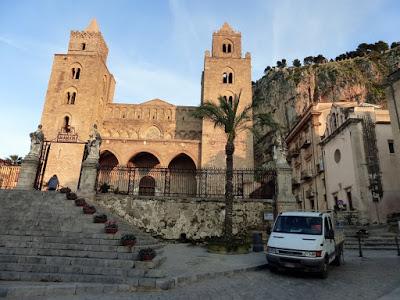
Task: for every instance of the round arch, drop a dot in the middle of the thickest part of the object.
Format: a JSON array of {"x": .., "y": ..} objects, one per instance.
[
  {"x": 182, "y": 161},
  {"x": 182, "y": 175},
  {"x": 108, "y": 159},
  {"x": 144, "y": 159}
]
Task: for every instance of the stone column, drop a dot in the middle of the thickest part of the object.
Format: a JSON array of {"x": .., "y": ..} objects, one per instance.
[
  {"x": 88, "y": 178},
  {"x": 285, "y": 200},
  {"x": 28, "y": 172}
]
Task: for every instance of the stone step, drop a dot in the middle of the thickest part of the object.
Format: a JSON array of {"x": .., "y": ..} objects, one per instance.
[
  {"x": 59, "y": 277},
  {"x": 68, "y": 234},
  {"x": 67, "y": 253},
  {"x": 75, "y": 246},
  {"x": 364, "y": 247},
  {"x": 65, "y": 269},
  {"x": 74, "y": 261}
]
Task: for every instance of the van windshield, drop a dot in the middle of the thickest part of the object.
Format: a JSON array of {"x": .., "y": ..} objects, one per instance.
[{"x": 298, "y": 224}]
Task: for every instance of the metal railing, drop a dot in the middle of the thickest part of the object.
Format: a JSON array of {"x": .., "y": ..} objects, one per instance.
[
  {"x": 9, "y": 176},
  {"x": 199, "y": 183}
]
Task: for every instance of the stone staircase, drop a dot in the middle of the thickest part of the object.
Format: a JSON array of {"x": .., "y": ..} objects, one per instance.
[
  {"x": 46, "y": 238},
  {"x": 378, "y": 238}
]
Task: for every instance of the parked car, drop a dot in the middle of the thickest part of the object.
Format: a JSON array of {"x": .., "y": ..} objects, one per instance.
[{"x": 305, "y": 240}]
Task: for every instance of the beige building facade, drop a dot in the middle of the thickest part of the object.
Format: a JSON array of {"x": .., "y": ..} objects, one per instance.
[
  {"x": 151, "y": 134},
  {"x": 361, "y": 167},
  {"x": 305, "y": 157}
]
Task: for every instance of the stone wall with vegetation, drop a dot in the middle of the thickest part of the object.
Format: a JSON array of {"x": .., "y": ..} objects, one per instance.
[{"x": 198, "y": 219}]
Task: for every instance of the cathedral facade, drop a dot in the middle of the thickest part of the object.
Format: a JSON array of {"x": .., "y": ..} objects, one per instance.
[{"x": 154, "y": 133}]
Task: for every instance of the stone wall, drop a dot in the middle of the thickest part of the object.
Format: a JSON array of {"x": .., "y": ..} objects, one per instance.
[{"x": 197, "y": 218}]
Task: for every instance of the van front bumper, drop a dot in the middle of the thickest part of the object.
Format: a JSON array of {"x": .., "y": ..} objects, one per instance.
[{"x": 294, "y": 262}]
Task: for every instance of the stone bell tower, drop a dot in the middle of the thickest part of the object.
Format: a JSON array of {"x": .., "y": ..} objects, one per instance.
[
  {"x": 226, "y": 73},
  {"x": 80, "y": 85}
]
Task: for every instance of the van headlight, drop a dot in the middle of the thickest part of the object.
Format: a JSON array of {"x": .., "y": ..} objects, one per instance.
[{"x": 272, "y": 250}]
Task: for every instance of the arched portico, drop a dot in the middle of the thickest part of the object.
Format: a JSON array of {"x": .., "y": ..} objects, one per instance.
[
  {"x": 144, "y": 160},
  {"x": 182, "y": 175}
]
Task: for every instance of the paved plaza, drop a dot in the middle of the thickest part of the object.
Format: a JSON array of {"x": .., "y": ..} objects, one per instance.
[{"x": 376, "y": 276}]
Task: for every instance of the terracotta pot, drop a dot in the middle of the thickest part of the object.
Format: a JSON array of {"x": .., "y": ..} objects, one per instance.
[
  {"x": 147, "y": 257},
  {"x": 99, "y": 220},
  {"x": 128, "y": 243},
  {"x": 111, "y": 230},
  {"x": 89, "y": 210}
]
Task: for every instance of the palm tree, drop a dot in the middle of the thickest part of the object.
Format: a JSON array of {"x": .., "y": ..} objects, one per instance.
[
  {"x": 14, "y": 159},
  {"x": 225, "y": 115}
]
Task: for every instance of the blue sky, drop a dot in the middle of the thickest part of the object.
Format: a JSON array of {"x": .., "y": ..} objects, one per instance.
[{"x": 157, "y": 47}]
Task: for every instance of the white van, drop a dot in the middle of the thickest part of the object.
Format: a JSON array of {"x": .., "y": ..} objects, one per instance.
[{"x": 305, "y": 240}]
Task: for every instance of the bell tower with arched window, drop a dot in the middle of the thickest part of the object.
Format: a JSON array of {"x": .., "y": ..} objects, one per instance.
[
  {"x": 225, "y": 74},
  {"x": 80, "y": 86}
]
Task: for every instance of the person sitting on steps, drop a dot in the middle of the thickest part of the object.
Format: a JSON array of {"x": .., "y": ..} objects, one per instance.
[{"x": 53, "y": 183}]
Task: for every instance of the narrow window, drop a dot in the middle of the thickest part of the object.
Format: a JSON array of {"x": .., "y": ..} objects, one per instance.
[
  {"x": 230, "y": 100},
  {"x": 73, "y": 96},
  {"x": 225, "y": 78},
  {"x": 73, "y": 73},
  {"x": 66, "y": 124},
  {"x": 391, "y": 146},
  {"x": 224, "y": 48},
  {"x": 78, "y": 73},
  {"x": 230, "y": 78},
  {"x": 83, "y": 46},
  {"x": 68, "y": 97},
  {"x": 229, "y": 48}
]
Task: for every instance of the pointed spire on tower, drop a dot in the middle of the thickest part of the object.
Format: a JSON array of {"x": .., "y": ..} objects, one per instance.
[
  {"x": 93, "y": 27},
  {"x": 226, "y": 28}
]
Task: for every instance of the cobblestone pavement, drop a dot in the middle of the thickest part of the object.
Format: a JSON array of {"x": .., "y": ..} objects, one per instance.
[{"x": 375, "y": 276}]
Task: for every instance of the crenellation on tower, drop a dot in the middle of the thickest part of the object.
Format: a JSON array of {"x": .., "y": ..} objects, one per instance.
[{"x": 88, "y": 42}]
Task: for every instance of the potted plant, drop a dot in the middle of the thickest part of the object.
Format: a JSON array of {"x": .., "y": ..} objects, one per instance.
[
  {"x": 80, "y": 202},
  {"x": 111, "y": 227},
  {"x": 100, "y": 218},
  {"x": 72, "y": 196},
  {"x": 65, "y": 190},
  {"x": 104, "y": 188},
  {"x": 89, "y": 209},
  {"x": 147, "y": 254},
  {"x": 128, "y": 240}
]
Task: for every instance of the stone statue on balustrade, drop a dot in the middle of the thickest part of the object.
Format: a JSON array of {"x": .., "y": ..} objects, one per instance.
[
  {"x": 37, "y": 139},
  {"x": 92, "y": 149}
]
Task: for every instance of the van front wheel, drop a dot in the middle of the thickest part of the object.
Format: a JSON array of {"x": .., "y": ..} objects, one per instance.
[{"x": 324, "y": 272}]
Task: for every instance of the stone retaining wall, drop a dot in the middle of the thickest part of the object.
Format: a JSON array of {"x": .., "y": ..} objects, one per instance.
[{"x": 197, "y": 218}]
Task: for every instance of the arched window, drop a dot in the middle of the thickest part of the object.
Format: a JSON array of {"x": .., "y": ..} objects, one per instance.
[
  {"x": 76, "y": 72},
  {"x": 66, "y": 125},
  {"x": 230, "y": 78},
  {"x": 226, "y": 48},
  {"x": 83, "y": 45},
  {"x": 230, "y": 100},
  {"x": 225, "y": 78},
  {"x": 71, "y": 96}
]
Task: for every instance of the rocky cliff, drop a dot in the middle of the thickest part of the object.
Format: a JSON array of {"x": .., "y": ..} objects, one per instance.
[{"x": 287, "y": 92}]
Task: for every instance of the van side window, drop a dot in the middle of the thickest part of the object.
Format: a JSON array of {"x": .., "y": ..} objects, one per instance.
[
  {"x": 326, "y": 226},
  {"x": 330, "y": 223}
]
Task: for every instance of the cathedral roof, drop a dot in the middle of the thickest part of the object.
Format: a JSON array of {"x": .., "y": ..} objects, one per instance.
[
  {"x": 157, "y": 102},
  {"x": 93, "y": 27}
]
